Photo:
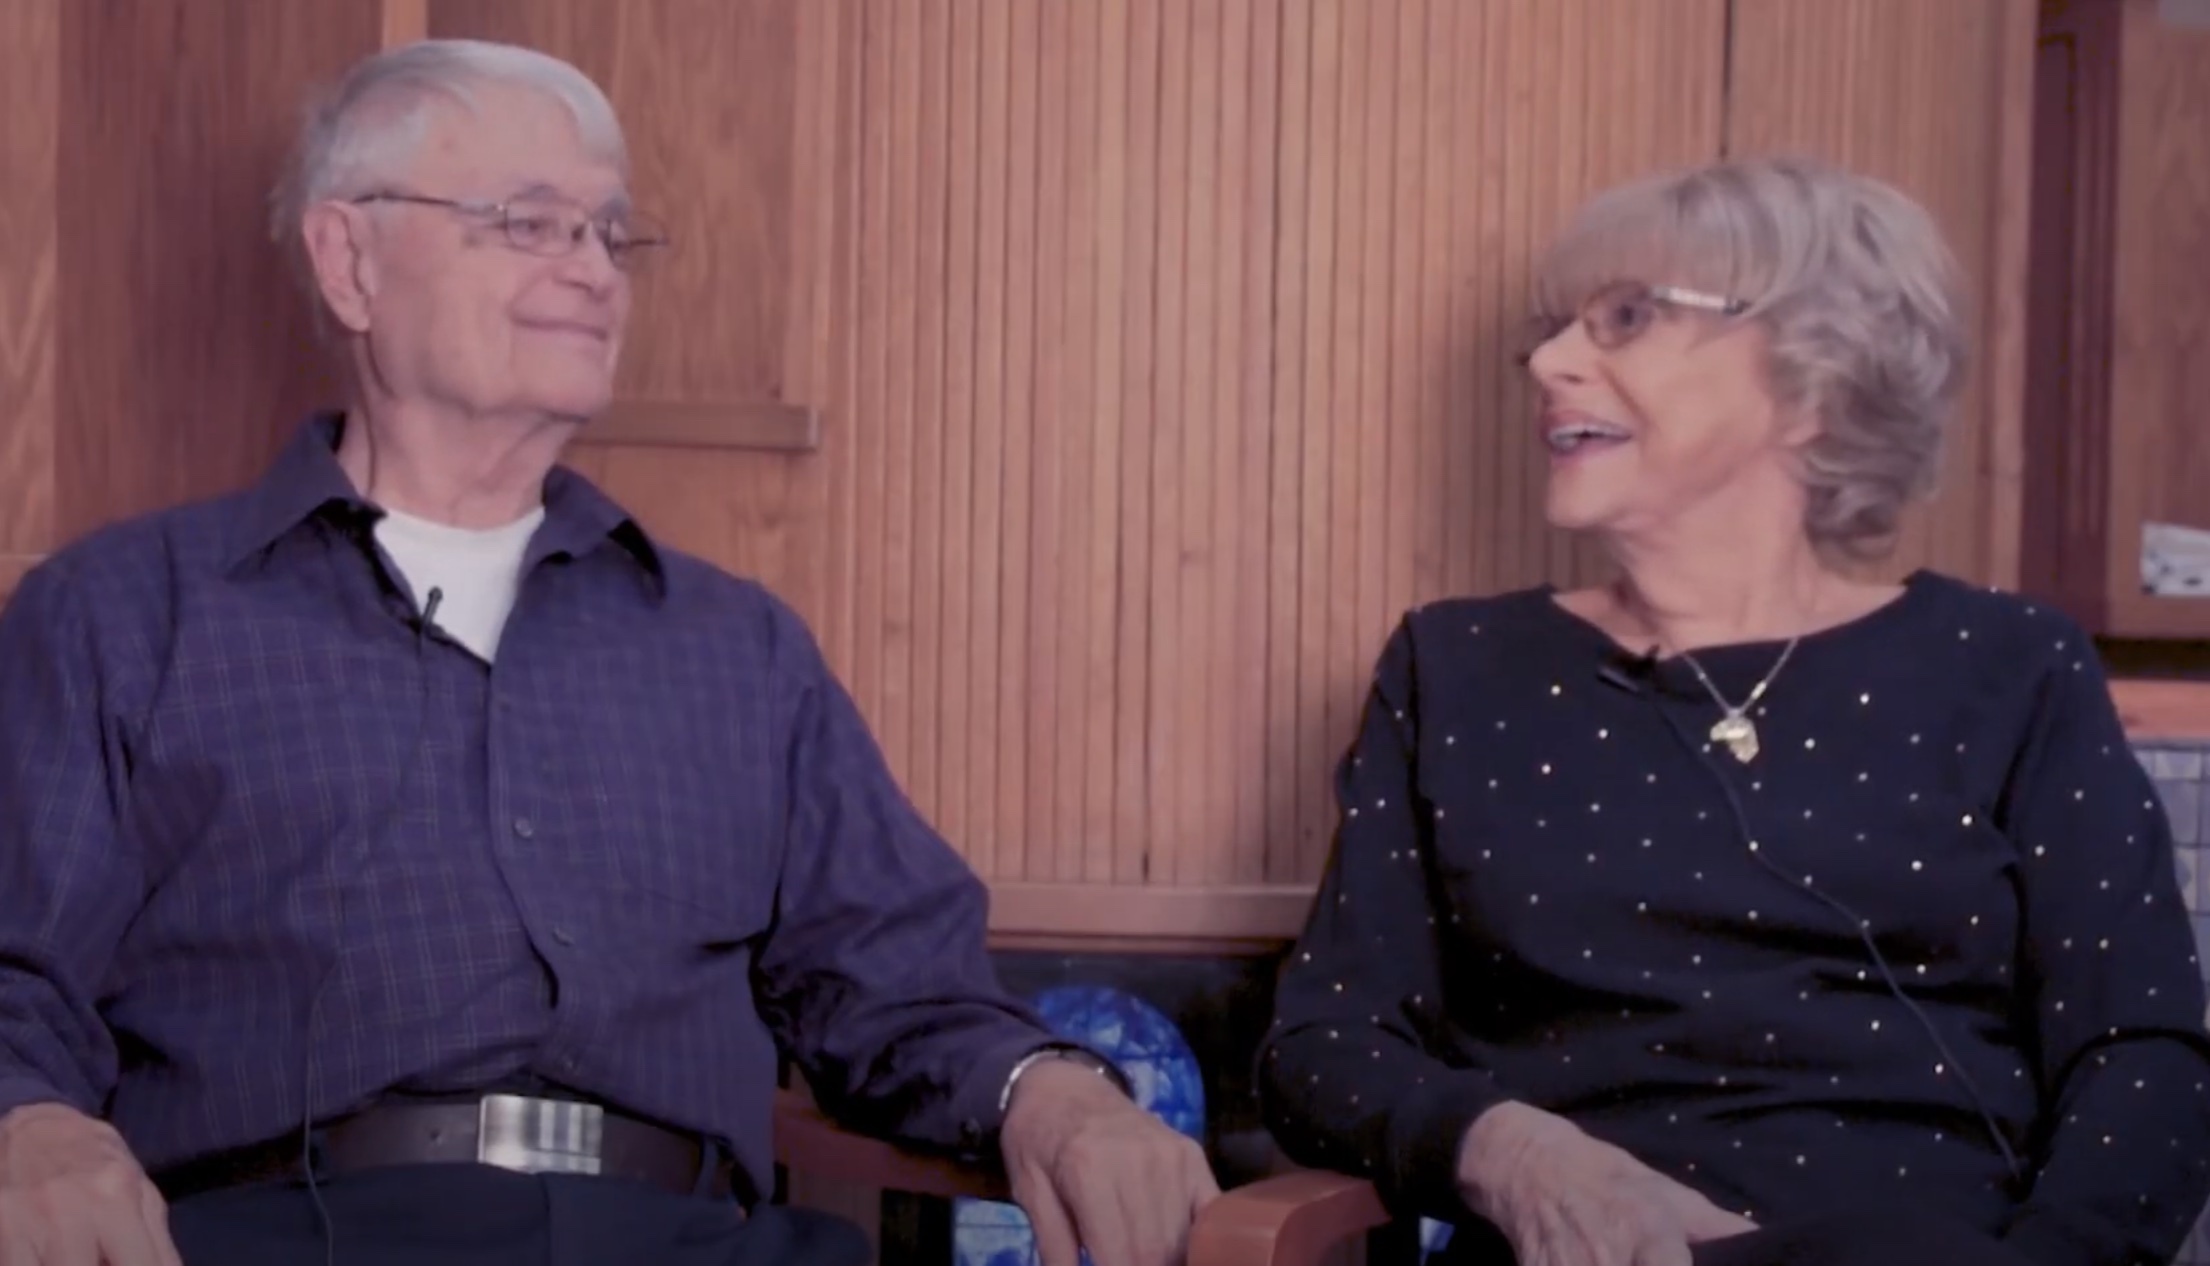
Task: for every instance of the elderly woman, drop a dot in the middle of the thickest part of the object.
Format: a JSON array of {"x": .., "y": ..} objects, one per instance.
[{"x": 1744, "y": 910}]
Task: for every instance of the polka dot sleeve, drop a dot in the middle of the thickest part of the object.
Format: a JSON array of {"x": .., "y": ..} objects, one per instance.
[
  {"x": 2112, "y": 988},
  {"x": 1346, "y": 1075}
]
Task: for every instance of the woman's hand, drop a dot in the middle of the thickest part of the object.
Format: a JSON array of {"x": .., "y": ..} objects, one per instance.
[{"x": 1565, "y": 1199}]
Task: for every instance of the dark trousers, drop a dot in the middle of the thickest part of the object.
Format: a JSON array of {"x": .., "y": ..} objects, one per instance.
[
  {"x": 1875, "y": 1237},
  {"x": 451, "y": 1215}
]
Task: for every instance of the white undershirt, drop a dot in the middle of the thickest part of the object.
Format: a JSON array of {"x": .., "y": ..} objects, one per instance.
[{"x": 475, "y": 572}]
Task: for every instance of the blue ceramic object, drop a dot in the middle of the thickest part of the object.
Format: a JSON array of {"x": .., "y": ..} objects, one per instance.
[
  {"x": 1147, "y": 1049},
  {"x": 1434, "y": 1237}
]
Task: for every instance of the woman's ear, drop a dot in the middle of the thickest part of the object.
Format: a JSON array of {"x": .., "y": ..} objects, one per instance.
[{"x": 1799, "y": 425}]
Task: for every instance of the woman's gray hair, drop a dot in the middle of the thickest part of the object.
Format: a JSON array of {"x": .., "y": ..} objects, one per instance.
[
  {"x": 1860, "y": 295},
  {"x": 361, "y": 133}
]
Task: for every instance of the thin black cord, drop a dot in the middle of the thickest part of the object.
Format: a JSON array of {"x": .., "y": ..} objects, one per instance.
[
  {"x": 1858, "y": 924},
  {"x": 380, "y": 828}
]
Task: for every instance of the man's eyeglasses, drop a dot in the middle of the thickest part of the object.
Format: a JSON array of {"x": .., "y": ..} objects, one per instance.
[
  {"x": 1618, "y": 314},
  {"x": 551, "y": 226}
]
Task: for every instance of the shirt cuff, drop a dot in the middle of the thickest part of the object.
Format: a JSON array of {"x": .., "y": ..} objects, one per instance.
[
  {"x": 1427, "y": 1130},
  {"x": 980, "y": 1104},
  {"x": 21, "y": 1092},
  {"x": 1071, "y": 1053}
]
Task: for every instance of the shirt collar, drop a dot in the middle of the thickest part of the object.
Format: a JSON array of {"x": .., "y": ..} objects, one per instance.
[{"x": 306, "y": 483}]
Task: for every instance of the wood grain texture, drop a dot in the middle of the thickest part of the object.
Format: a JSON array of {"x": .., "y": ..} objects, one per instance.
[
  {"x": 2159, "y": 372},
  {"x": 1172, "y": 373},
  {"x": 2163, "y": 711},
  {"x": 30, "y": 249},
  {"x": 2121, "y": 192},
  {"x": 1931, "y": 98},
  {"x": 764, "y": 426},
  {"x": 2065, "y": 526},
  {"x": 1145, "y": 918},
  {"x": 185, "y": 354},
  {"x": 404, "y": 22}
]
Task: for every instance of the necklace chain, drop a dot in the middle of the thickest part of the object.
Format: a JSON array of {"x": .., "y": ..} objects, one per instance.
[
  {"x": 1734, "y": 727},
  {"x": 1757, "y": 692}
]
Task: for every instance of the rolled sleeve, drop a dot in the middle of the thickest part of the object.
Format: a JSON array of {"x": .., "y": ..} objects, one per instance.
[{"x": 71, "y": 884}]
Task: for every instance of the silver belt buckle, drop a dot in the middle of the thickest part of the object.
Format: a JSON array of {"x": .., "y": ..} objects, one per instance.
[{"x": 539, "y": 1136}]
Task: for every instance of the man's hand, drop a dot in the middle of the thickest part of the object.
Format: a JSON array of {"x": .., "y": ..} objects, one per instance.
[
  {"x": 1094, "y": 1170},
  {"x": 1565, "y": 1199},
  {"x": 71, "y": 1194}
]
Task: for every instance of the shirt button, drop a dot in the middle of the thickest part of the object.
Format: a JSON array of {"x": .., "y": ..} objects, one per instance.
[{"x": 525, "y": 828}]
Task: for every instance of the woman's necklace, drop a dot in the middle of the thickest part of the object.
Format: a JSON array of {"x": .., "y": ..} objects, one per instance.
[{"x": 1734, "y": 727}]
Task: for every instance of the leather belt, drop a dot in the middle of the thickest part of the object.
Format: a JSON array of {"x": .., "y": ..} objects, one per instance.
[{"x": 514, "y": 1132}]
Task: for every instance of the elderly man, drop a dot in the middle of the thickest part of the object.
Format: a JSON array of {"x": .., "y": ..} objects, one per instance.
[{"x": 409, "y": 859}]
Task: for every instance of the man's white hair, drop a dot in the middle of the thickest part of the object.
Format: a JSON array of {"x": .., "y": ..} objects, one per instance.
[{"x": 361, "y": 133}]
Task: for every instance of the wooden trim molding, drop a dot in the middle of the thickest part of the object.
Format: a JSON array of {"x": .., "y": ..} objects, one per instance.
[
  {"x": 1138, "y": 918},
  {"x": 764, "y": 425},
  {"x": 2163, "y": 711}
]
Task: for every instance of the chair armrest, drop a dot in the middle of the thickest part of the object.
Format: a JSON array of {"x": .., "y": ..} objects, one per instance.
[
  {"x": 1290, "y": 1219},
  {"x": 807, "y": 1141}
]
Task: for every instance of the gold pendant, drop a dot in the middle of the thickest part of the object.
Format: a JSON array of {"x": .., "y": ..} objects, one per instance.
[{"x": 1739, "y": 735}]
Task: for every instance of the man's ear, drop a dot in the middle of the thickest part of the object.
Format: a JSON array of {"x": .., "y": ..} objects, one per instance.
[{"x": 339, "y": 254}]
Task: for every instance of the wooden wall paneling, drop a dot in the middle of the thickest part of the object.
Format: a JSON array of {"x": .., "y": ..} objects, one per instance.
[
  {"x": 759, "y": 425},
  {"x": 898, "y": 27},
  {"x": 2159, "y": 373},
  {"x": 1250, "y": 196},
  {"x": 405, "y": 21},
  {"x": 185, "y": 352},
  {"x": 731, "y": 328},
  {"x": 2067, "y": 418},
  {"x": 1930, "y": 97},
  {"x": 1174, "y": 668},
  {"x": 1130, "y": 144},
  {"x": 30, "y": 126},
  {"x": 1288, "y": 634},
  {"x": 1019, "y": 762},
  {"x": 927, "y": 204},
  {"x": 1420, "y": 169},
  {"x": 989, "y": 27},
  {"x": 2003, "y": 353},
  {"x": 2118, "y": 202},
  {"x": 1067, "y": 426},
  {"x": 956, "y": 710}
]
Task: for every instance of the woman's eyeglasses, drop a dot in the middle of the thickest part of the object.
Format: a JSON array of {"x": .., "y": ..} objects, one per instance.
[{"x": 1618, "y": 314}]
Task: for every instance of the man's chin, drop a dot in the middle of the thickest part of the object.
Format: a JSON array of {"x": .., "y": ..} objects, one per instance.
[{"x": 578, "y": 405}]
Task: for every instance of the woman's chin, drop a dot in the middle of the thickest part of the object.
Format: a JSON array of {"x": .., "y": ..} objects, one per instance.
[{"x": 1576, "y": 514}]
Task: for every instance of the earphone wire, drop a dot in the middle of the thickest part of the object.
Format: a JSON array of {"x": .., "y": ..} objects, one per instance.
[
  {"x": 1859, "y": 925},
  {"x": 378, "y": 829}
]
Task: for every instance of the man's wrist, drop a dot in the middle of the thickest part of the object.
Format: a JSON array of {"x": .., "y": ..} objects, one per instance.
[{"x": 1065, "y": 1053}]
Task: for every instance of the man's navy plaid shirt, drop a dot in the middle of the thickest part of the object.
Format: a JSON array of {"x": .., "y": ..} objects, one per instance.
[{"x": 270, "y": 848}]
